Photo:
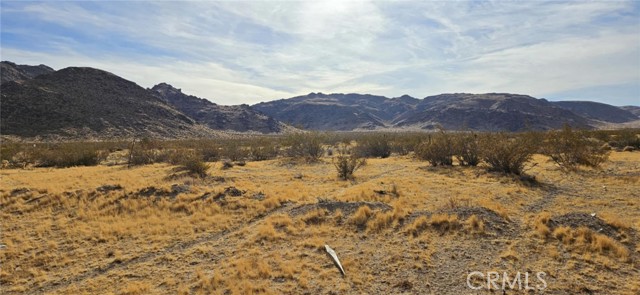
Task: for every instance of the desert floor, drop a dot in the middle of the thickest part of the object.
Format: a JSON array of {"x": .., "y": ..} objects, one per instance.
[{"x": 399, "y": 227}]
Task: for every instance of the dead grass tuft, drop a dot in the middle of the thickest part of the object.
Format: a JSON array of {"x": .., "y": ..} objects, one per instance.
[
  {"x": 316, "y": 216},
  {"x": 445, "y": 222},
  {"x": 418, "y": 226},
  {"x": 361, "y": 217},
  {"x": 475, "y": 224}
]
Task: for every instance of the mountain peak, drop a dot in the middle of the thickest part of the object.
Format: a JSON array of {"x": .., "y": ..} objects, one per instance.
[
  {"x": 19, "y": 73},
  {"x": 166, "y": 89}
]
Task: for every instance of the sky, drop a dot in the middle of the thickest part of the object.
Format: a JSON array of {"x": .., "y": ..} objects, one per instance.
[{"x": 234, "y": 52}]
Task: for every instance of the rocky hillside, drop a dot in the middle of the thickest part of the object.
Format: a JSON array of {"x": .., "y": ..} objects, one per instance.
[
  {"x": 598, "y": 111},
  {"x": 492, "y": 111},
  {"x": 338, "y": 111},
  {"x": 81, "y": 103},
  {"x": 88, "y": 103},
  {"x": 632, "y": 109},
  {"x": 18, "y": 73},
  {"x": 457, "y": 111},
  {"x": 240, "y": 118}
]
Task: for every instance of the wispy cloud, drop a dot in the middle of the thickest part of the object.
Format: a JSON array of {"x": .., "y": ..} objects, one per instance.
[{"x": 244, "y": 52}]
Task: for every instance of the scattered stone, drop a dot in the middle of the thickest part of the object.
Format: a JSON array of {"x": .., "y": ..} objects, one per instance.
[
  {"x": 20, "y": 191},
  {"x": 232, "y": 191},
  {"x": 380, "y": 192},
  {"x": 578, "y": 219},
  {"x": 227, "y": 165},
  {"x": 109, "y": 188},
  {"x": 219, "y": 197},
  {"x": 241, "y": 163},
  {"x": 405, "y": 286},
  {"x": 177, "y": 189},
  {"x": 298, "y": 176},
  {"x": 258, "y": 196},
  {"x": 347, "y": 208}
]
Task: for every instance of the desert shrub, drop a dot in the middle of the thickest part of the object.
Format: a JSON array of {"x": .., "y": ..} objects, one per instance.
[
  {"x": 67, "y": 155},
  {"x": 466, "y": 149},
  {"x": 209, "y": 153},
  {"x": 263, "y": 151},
  {"x": 347, "y": 162},
  {"x": 234, "y": 151},
  {"x": 508, "y": 154},
  {"x": 307, "y": 146},
  {"x": 437, "y": 149},
  {"x": 405, "y": 143},
  {"x": 374, "y": 146},
  {"x": 625, "y": 137},
  {"x": 146, "y": 151},
  {"x": 194, "y": 165},
  {"x": 569, "y": 149}
]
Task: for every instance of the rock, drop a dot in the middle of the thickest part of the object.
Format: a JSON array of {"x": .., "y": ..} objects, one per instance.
[
  {"x": 298, "y": 176},
  {"x": 19, "y": 191},
  {"x": 108, "y": 188},
  {"x": 227, "y": 165},
  {"x": 258, "y": 196},
  {"x": 177, "y": 189},
  {"x": 232, "y": 191},
  {"x": 628, "y": 149}
]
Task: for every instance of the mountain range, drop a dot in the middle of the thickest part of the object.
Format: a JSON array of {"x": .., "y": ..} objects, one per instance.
[{"x": 86, "y": 103}]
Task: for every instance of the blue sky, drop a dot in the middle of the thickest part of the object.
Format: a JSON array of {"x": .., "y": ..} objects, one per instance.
[{"x": 235, "y": 52}]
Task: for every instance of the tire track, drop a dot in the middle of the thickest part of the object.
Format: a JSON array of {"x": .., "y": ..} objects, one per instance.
[
  {"x": 183, "y": 246},
  {"x": 177, "y": 247}
]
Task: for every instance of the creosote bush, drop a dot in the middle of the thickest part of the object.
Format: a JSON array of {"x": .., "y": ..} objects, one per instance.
[
  {"x": 467, "y": 149},
  {"x": 374, "y": 146},
  {"x": 347, "y": 162},
  {"x": 307, "y": 146},
  {"x": 437, "y": 149},
  {"x": 508, "y": 153},
  {"x": 194, "y": 165},
  {"x": 570, "y": 149}
]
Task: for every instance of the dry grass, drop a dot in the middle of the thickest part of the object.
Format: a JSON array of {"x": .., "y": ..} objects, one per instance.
[
  {"x": 62, "y": 233},
  {"x": 361, "y": 217}
]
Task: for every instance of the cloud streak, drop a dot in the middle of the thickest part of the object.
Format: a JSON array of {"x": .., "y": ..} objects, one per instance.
[{"x": 247, "y": 52}]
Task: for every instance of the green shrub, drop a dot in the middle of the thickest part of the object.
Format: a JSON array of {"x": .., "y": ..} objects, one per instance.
[
  {"x": 67, "y": 155},
  {"x": 406, "y": 143},
  {"x": 347, "y": 162},
  {"x": 261, "y": 151},
  {"x": 307, "y": 146},
  {"x": 466, "y": 149},
  {"x": 437, "y": 149},
  {"x": 374, "y": 146},
  {"x": 626, "y": 137},
  {"x": 194, "y": 165},
  {"x": 233, "y": 150},
  {"x": 569, "y": 149},
  {"x": 508, "y": 154}
]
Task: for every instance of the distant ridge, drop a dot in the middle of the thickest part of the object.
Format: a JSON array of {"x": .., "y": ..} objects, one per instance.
[
  {"x": 240, "y": 118},
  {"x": 88, "y": 103},
  {"x": 38, "y": 102},
  {"x": 19, "y": 73},
  {"x": 455, "y": 111}
]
